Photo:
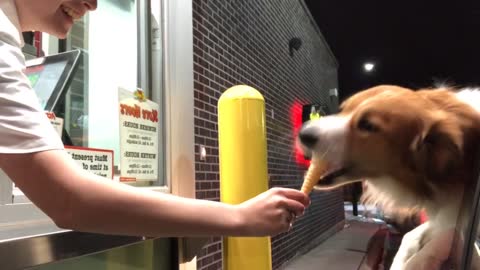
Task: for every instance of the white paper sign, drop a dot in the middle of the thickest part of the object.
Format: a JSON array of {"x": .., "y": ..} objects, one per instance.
[
  {"x": 56, "y": 122},
  {"x": 138, "y": 137},
  {"x": 97, "y": 161}
]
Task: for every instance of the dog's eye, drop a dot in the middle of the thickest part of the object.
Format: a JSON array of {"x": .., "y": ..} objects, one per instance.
[{"x": 367, "y": 126}]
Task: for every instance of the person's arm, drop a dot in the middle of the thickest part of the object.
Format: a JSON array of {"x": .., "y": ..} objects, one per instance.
[{"x": 78, "y": 200}]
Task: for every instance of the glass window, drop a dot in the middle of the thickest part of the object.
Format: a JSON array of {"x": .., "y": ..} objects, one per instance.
[
  {"x": 91, "y": 115},
  {"x": 112, "y": 40},
  {"x": 122, "y": 46},
  {"x": 115, "y": 40}
]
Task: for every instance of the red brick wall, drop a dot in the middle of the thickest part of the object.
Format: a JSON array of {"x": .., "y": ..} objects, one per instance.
[{"x": 246, "y": 42}]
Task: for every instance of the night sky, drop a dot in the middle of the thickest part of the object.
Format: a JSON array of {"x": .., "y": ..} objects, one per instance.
[{"x": 412, "y": 43}]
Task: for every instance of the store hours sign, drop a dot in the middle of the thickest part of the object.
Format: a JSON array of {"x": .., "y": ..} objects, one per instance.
[{"x": 138, "y": 136}]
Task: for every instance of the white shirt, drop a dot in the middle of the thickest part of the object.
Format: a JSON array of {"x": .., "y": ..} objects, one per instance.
[{"x": 24, "y": 127}]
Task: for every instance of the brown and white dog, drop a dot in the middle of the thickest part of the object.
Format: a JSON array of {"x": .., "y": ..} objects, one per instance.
[{"x": 416, "y": 150}]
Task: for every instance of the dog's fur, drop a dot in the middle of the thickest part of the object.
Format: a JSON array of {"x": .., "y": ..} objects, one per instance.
[{"x": 416, "y": 150}]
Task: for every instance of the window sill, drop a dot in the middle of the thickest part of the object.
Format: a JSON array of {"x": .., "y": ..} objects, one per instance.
[{"x": 27, "y": 252}]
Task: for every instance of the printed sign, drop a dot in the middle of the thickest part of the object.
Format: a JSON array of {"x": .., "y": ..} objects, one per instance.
[
  {"x": 97, "y": 161},
  {"x": 56, "y": 122},
  {"x": 138, "y": 136}
]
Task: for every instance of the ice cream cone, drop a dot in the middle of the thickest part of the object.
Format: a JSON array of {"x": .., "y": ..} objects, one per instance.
[{"x": 314, "y": 172}]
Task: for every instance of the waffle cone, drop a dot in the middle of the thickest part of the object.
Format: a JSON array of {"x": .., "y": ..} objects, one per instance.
[{"x": 314, "y": 172}]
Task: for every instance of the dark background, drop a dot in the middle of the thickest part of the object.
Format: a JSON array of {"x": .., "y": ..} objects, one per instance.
[{"x": 412, "y": 43}]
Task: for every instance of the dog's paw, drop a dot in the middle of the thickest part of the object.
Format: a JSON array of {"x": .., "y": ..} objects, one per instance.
[
  {"x": 424, "y": 249},
  {"x": 411, "y": 244},
  {"x": 422, "y": 262},
  {"x": 404, "y": 256}
]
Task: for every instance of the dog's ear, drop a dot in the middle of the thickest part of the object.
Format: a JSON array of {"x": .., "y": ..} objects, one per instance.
[{"x": 438, "y": 150}]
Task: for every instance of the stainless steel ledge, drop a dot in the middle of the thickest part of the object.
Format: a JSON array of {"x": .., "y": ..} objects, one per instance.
[{"x": 32, "y": 251}]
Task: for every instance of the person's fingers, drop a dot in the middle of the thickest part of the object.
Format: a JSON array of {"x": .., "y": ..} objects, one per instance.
[
  {"x": 287, "y": 220},
  {"x": 293, "y": 194},
  {"x": 286, "y": 217},
  {"x": 294, "y": 207},
  {"x": 289, "y": 216},
  {"x": 293, "y": 217}
]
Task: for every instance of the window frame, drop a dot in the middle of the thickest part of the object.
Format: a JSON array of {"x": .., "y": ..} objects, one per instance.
[
  {"x": 472, "y": 225},
  {"x": 179, "y": 154}
]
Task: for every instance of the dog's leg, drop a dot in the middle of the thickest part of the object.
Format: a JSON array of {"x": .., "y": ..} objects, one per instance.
[
  {"x": 411, "y": 243},
  {"x": 434, "y": 252}
]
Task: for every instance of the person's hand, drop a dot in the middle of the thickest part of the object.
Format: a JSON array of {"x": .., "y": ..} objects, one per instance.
[{"x": 271, "y": 212}]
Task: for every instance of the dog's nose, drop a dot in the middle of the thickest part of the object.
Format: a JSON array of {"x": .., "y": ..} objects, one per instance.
[{"x": 308, "y": 137}]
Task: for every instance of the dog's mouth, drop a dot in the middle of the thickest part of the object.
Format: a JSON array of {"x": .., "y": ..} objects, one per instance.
[{"x": 334, "y": 178}]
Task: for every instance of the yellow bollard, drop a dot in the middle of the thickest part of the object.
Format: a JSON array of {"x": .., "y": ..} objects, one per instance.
[{"x": 243, "y": 170}]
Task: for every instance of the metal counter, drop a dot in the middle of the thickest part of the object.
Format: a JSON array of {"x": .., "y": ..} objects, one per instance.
[{"x": 32, "y": 251}]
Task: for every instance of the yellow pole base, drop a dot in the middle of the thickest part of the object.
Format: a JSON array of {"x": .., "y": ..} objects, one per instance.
[{"x": 243, "y": 169}]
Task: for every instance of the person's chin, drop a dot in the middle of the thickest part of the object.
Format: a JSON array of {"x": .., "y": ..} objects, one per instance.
[
  {"x": 62, "y": 35},
  {"x": 61, "y": 32},
  {"x": 60, "y": 25}
]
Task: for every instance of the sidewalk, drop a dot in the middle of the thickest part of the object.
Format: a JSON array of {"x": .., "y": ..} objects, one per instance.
[{"x": 360, "y": 245}]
